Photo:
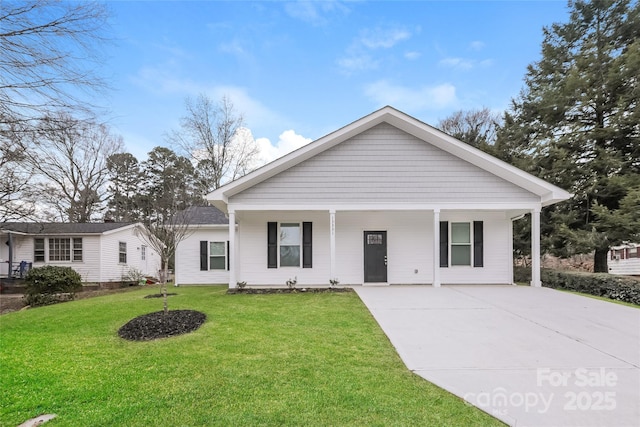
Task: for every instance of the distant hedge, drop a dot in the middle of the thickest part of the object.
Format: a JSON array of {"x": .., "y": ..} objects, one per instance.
[
  {"x": 51, "y": 284},
  {"x": 619, "y": 288}
]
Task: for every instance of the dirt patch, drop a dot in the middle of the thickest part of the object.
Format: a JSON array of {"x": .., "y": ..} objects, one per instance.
[{"x": 160, "y": 325}]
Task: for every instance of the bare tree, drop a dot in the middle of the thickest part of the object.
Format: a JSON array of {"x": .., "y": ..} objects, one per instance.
[
  {"x": 475, "y": 127},
  {"x": 14, "y": 174},
  {"x": 69, "y": 158},
  {"x": 164, "y": 235},
  {"x": 213, "y": 136},
  {"x": 48, "y": 56}
]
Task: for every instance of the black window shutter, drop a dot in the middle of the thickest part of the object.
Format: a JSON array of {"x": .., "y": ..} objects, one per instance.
[
  {"x": 444, "y": 244},
  {"x": 478, "y": 250},
  {"x": 272, "y": 245},
  {"x": 228, "y": 256},
  {"x": 204, "y": 255},
  {"x": 307, "y": 239}
]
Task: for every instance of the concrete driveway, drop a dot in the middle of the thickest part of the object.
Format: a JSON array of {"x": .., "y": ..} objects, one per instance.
[{"x": 529, "y": 356}]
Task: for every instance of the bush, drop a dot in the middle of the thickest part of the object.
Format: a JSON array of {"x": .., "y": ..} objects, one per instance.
[
  {"x": 51, "y": 284},
  {"x": 521, "y": 274},
  {"x": 619, "y": 288}
]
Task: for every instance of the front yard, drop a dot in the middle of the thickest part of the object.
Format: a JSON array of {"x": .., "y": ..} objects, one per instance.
[{"x": 297, "y": 359}]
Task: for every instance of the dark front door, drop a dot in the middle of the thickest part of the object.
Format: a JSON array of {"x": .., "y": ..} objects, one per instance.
[{"x": 375, "y": 256}]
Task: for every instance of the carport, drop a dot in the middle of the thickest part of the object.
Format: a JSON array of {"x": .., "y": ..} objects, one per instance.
[{"x": 529, "y": 356}]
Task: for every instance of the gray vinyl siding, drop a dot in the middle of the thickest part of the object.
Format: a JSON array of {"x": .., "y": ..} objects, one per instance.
[{"x": 384, "y": 163}]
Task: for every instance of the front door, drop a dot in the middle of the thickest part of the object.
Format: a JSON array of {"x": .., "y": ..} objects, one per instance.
[{"x": 375, "y": 256}]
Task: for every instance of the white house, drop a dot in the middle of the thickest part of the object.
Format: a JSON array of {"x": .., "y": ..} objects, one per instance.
[
  {"x": 386, "y": 199},
  {"x": 99, "y": 252},
  {"x": 625, "y": 259},
  {"x": 203, "y": 256}
]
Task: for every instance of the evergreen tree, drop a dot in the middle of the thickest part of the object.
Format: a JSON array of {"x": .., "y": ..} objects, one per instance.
[
  {"x": 125, "y": 179},
  {"x": 578, "y": 117}
]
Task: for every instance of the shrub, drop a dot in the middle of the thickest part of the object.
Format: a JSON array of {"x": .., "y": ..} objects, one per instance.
[
  {"x": 619, "y": 288},
  {"x": 521, "y": 274},
  {"x": 51, "y": 284}
]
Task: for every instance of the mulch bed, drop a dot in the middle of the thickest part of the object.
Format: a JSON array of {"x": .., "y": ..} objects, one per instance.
[
  {"x": 160, "y": 295},
  {"x": 160, "y": 325},
  {"x": 286, "y": 290}
]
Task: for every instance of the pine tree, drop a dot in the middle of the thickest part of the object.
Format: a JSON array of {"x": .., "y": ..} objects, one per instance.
[{"x": 578, "y": 116}]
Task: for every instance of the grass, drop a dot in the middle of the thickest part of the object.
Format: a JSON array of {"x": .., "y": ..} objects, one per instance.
[
  {"x": 300, "y": 359},
  {"x": 615, "y": 301}
]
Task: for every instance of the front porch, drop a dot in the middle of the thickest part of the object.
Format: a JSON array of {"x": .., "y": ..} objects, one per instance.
[{"x": 413, "y": 245}]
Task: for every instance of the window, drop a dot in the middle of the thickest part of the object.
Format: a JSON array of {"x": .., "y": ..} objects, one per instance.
[
  {"x": 59, "y": 249},
  {"x": 77, "y": 249},
  {"x": 633, "y": 252},
  {"x": 217, "y": 256},
  {"x": 143, "y": 253},
  {"x": 290, "y": 239},
  {"x": 214, "y": 255},
  {"x": 290, "y": 244},
  {"x": 460, "y": 243},
  {"x": 122, "y": 252},
  {"x": 38, "y": 250}
]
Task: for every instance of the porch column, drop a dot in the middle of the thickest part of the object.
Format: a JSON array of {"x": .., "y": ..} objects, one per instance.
[
  {"x": 10, "y": 272},
  {"x": 436, "y": 248},
  {"x": 535, "y": 248},
  {"x": 332, "y": 244},
  {"x": 232, "y": 250}
]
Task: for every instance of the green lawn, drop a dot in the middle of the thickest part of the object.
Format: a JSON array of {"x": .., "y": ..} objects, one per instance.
[{"x": 299, "y": 359}]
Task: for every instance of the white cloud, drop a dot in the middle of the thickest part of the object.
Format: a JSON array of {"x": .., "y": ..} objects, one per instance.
[
  {"x": 358, "y": 63},
  {"x": 412, "y": 55},
  {"x": 288, "y": 141},
  {"x": 233, "y": 47},
  {"x": 457, "y": 63},
  {"x": 403, "y": 97},
  {"x": 358, "y": 55},
  {"x": 464, "y": 64},
  {"x": 476, "y": 45},
  {"x": 314, "y": 12},
  {"x": 383, "y": 38}
]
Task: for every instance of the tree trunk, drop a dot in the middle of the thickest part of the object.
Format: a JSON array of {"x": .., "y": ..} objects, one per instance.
[
  {"x": 600, "y": 260},
  {"x": 164, "y": 287}
]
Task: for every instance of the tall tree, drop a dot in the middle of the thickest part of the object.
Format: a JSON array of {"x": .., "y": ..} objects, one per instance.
[
  {"x": 123, "y": 192},
  {"x": 213, "y": 136},
  {"x": 48, "y": 51},
  {"x": 164, "y": 201},
  {"x": 49, "y": 55},
  {"x": 477, "y": 128},
  {"x": 578, "y": 116},
  {"x": 69, "y": 158}
]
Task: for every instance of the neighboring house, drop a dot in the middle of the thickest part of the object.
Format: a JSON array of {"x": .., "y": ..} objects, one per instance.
[
  {"x": 203, "y": 257},
  {"x": 99, "y": 252},
  {"x": 386, "y": 199},
  {"x": 625, "y": 259}
]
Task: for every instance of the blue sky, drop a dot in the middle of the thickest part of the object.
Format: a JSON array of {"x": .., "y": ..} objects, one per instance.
[{"x": 299, "y": 70}]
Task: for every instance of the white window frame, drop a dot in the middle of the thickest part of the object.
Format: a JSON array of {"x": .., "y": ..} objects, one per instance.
[
  {"x": 77, "y": 251},
  {"x": 299, "y": 245},
  {"x": 40, "y": 253},
  {"x": 121, "y": 252},
  {"x": 452, "y": 244},
  {"x": 143, "y": 252},
  {"x": 224, "y": 265}
]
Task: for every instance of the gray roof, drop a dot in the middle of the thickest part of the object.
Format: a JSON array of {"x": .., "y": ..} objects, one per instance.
[
  {"x": 62, "y": 228},
  {"x": 205, "y": 215}
]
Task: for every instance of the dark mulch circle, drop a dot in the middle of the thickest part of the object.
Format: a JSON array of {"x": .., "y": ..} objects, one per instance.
[
  {"x": 160, "y": 295},
  {"x": 287, "y": 290},
  {"x": 158, "y": 325}
]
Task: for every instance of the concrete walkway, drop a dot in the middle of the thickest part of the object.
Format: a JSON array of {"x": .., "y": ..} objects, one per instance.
[{"x": 529, "y": 356}]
